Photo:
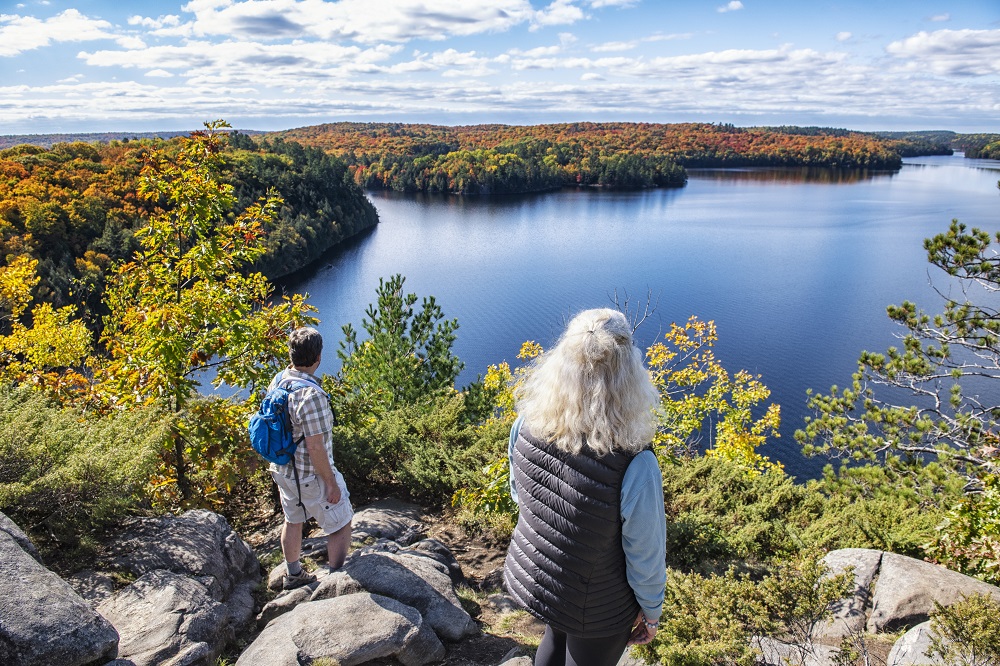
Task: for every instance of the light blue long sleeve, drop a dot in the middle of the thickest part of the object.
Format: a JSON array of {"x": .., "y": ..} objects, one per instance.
[{"x": 644, "y": 526}]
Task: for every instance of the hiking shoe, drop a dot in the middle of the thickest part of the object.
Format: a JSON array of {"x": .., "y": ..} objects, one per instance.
[{"x": 290, "y": 582}]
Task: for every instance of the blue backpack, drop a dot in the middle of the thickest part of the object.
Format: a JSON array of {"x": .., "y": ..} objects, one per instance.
[{"x": 270, "y": 428}]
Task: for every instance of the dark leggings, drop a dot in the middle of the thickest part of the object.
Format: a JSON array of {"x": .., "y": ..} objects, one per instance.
[{"x": 559, "y": 649}]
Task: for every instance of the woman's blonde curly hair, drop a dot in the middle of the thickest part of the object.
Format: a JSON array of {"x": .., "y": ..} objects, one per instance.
[{"x": 591, "y": 390}]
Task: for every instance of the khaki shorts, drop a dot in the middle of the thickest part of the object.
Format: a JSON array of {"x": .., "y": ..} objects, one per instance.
[{"x": 329, "y": 517}]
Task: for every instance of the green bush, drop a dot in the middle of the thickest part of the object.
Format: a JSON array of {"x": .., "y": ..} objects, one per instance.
[
  {"x": 968, "y": 540},
  {"x": 718, "y": 514},
  {"x": 714, "y": 619},
  {"x": 872, "y": 506},
  {"x": 63, "y": 472},
  {"x": 966, "y": 633},
  {"x": 426, "y": 451}
]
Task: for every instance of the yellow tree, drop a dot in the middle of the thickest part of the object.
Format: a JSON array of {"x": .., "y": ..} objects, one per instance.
[
  {"x": 186, "y": 304},
  {"x": 46, "y": 346},
  {"x": 695, "y": 391}
]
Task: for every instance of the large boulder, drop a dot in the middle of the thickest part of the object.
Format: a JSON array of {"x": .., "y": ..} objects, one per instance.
[
  {"x": 892, "y": 592},
  {"x": 907, "y": 588},
  {"x": 42, "y": 620},
  {"x": 166, "y": 618},
  {"x": 850, "y": 615},
  {"x": 388, "y": 519},
  {"x": 351, "y": 629},
  {"x": 11, "y": 528},
  {"x": 414, "y": 580},
  {"x": 198, "y": 543},
  {"x": 194, "y": 593}
]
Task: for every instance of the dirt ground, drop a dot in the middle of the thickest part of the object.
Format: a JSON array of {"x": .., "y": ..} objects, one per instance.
[{"x": 502, "y": 631}]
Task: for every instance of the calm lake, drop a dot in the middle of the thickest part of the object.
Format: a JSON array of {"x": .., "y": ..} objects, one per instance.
[{"x": 795, "y": 266}]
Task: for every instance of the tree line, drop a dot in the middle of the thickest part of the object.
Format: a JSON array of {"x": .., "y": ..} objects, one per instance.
[{"x": 494, "y": 159}]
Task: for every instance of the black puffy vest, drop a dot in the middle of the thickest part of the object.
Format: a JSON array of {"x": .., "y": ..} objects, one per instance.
[{"x": 565, "y": 564}]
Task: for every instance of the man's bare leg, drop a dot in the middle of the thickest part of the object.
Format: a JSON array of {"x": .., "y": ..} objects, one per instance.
[
  {"x": 291, "y": 541},
  {"x": 337, "y": 545}
]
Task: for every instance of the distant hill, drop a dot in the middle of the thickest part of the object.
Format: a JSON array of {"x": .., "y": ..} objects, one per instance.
[{"x": 48, "y": 140}]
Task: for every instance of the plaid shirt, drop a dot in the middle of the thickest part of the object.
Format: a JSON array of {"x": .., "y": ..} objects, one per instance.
[{"x": 310, "y": 414}]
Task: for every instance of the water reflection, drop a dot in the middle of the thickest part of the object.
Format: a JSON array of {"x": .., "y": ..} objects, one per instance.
[{"x": 792, "y": 175}]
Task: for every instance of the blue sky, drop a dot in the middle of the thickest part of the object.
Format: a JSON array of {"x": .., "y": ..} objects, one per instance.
[{"x": 98, "y": 65}]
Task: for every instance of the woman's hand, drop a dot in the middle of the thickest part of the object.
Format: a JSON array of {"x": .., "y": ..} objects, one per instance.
[{"x": 642, "y": 632}]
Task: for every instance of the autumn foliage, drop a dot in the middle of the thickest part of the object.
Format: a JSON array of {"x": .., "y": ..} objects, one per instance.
[{"x": 506, "y": 158}]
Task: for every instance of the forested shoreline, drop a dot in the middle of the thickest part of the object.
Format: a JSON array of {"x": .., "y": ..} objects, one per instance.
[
  {"x": 492, "y": 159},
  {"x": 75, "y": 210}
]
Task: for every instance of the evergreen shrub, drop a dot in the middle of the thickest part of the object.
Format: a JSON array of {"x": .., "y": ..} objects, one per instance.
[
  {"x": 63, "y": 472},
  {"x": 425, "y": 451}
]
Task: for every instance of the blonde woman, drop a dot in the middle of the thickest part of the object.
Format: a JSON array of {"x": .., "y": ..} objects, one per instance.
[{"x": 588, "y": 554}]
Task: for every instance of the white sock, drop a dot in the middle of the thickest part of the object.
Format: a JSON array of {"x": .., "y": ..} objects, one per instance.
[{"x": 294, "y": 568}]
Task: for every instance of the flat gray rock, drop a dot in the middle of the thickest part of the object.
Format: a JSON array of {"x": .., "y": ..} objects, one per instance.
[
  {"x": 169, "y": 619},
  {"x": 778, "y": 653},
  {"x": 907, "y": 588},
  {"x": 413, "y": 580},
  {"x": 351, "y": 629},
  {"x": 43, "y": 621},
  {"x": 388, "y": 519}
]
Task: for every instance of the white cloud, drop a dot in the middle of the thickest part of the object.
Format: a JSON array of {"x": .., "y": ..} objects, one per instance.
[
  {"x": 614, "y": 46},
  {"x": 250, "y": 63},
  {"x": 634, "y": 43},
  {"x": 560, "y": 12},
  {"x": 951, "y": 52},
  {"x": 155, "y": 24},
  {"x": 130, "y": 42},
  {"x": 597, "y": 4},
  {"x": 939, "y": 18},
  {"x": 843, "y": 36},
  {"x": 567, "y": 38},
  {"x": 366, "y": 21},
  {"x": 536, "y": 52},
  {"x": 734, "y": 5},
  {"x": 591, "y": 76},
  {"x": 159, "y": 73},
  {"x": 660, "y": 37},
  {"x": 25, "y": 33}
]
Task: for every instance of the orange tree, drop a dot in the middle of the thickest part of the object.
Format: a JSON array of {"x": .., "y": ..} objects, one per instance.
[{"x": 185, "y": 306}]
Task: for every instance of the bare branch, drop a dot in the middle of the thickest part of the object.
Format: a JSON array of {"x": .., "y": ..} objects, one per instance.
[{"x": 635, "y": 316}]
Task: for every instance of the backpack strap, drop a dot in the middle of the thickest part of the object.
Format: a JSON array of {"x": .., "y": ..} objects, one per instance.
[{"x": 296, "y": 383}]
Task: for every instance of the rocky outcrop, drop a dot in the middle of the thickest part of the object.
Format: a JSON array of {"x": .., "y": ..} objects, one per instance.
[
  {"x": 388, "y": 519},
  {"x": 199, "y": 544},
  {"x": 193, "y": 594},
  {"x": 167, "y": 618},
  {"x": 43, "y": 620},
  {"x": 351, "y": 629},
  {"x": 893, "y": 592},
  {"x": 412, "y": 581},
  {"x": 906, "y": 590}
]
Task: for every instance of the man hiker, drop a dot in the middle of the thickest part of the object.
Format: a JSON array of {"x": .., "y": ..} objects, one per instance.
[{"x": 320, "y": 492}]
